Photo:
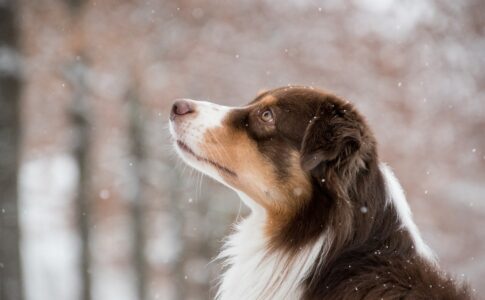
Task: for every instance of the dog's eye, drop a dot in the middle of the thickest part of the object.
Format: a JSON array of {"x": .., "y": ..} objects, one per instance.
[{"x": 267, "y": 116}]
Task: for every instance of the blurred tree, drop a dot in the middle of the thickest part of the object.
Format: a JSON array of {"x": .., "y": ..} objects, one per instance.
[
  {"x": 75, "y": 5},
  {"x": 10, "y": 86},
  {"x": 81, "y": 141},
  {"x": 136, "y": 126},
  {"x": 178, "y": 225},
  {"x": 76, "y": 73}
]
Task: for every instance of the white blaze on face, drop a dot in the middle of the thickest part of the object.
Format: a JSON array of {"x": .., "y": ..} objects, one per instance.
[{"x": 190, "y": 130}]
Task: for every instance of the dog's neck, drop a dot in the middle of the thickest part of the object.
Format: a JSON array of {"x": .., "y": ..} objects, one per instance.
[{"x": 255, "y": 271}]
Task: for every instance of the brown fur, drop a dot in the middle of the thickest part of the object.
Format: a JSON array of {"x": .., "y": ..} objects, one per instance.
[{"x": 322, "y": 147}]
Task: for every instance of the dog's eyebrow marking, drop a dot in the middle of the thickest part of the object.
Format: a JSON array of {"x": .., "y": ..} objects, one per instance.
[
  {"x": 265, "y": 98},
  {"x": 186, "y": 148},
  {"x": 268, "y": 100}
]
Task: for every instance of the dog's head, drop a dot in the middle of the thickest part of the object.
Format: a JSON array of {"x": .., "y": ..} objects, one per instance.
[{"x": 278, "y": 149}]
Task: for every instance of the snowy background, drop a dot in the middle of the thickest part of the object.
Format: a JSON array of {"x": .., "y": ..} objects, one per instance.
[{"x": 415, "y": 68}]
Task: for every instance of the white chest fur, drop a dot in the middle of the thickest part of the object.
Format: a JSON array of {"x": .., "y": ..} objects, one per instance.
[{"x": 253, "y": 273}]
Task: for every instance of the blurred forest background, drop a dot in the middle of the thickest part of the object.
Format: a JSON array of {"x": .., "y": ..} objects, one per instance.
[{"x": 94, "y": 203}]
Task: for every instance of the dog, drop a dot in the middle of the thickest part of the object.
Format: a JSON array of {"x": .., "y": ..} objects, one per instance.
[{"x": 328, "y": 220}]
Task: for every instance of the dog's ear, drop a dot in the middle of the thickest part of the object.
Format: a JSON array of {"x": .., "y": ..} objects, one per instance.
[{"x": 331, "y": 138}]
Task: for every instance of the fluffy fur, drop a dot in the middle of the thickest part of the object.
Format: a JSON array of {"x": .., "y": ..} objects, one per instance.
[{"x": 328, "y": 220}]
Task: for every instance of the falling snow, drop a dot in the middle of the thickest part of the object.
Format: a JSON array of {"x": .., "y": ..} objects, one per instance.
[
  {"x": 104, "y": 194},
  {"x": 423, "y": 100}
]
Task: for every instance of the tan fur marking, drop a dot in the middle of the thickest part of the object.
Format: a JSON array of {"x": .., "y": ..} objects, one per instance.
[
  {"x": 297, "y": 191},
  {"x": 256, "y": 175},
  {"x": 234, "y": 150},
  {"x": 268, "y": 100},
  {"x": 261, "y": 91}
]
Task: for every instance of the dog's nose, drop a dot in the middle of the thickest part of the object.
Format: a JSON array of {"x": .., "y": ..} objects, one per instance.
[{"x": 181, "y": 107}]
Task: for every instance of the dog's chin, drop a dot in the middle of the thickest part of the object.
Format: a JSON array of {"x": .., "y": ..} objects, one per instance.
[
  {"x": 201, "y": 164},
  {"x": 190, "y": 158}
]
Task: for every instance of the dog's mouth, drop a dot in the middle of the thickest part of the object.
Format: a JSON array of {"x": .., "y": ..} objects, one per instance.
[{"x": 184, "y": 147}]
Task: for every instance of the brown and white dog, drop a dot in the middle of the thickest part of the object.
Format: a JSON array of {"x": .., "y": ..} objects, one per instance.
[{"x": 328, "y": 220}]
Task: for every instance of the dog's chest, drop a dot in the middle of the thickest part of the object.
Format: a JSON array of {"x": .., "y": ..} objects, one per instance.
[{"x": 253, "y": 273}]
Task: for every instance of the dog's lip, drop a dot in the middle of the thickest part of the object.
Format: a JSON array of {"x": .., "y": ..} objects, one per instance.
[{"x": 183, "y": 146}]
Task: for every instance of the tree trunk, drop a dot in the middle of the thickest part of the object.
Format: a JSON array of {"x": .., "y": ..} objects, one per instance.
[
  {"x": 137, "y": 200},
  {"x": 10, "y": 86},
  {"x": 80, "y": 120},
  {"x": 178, "y": 225}
]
